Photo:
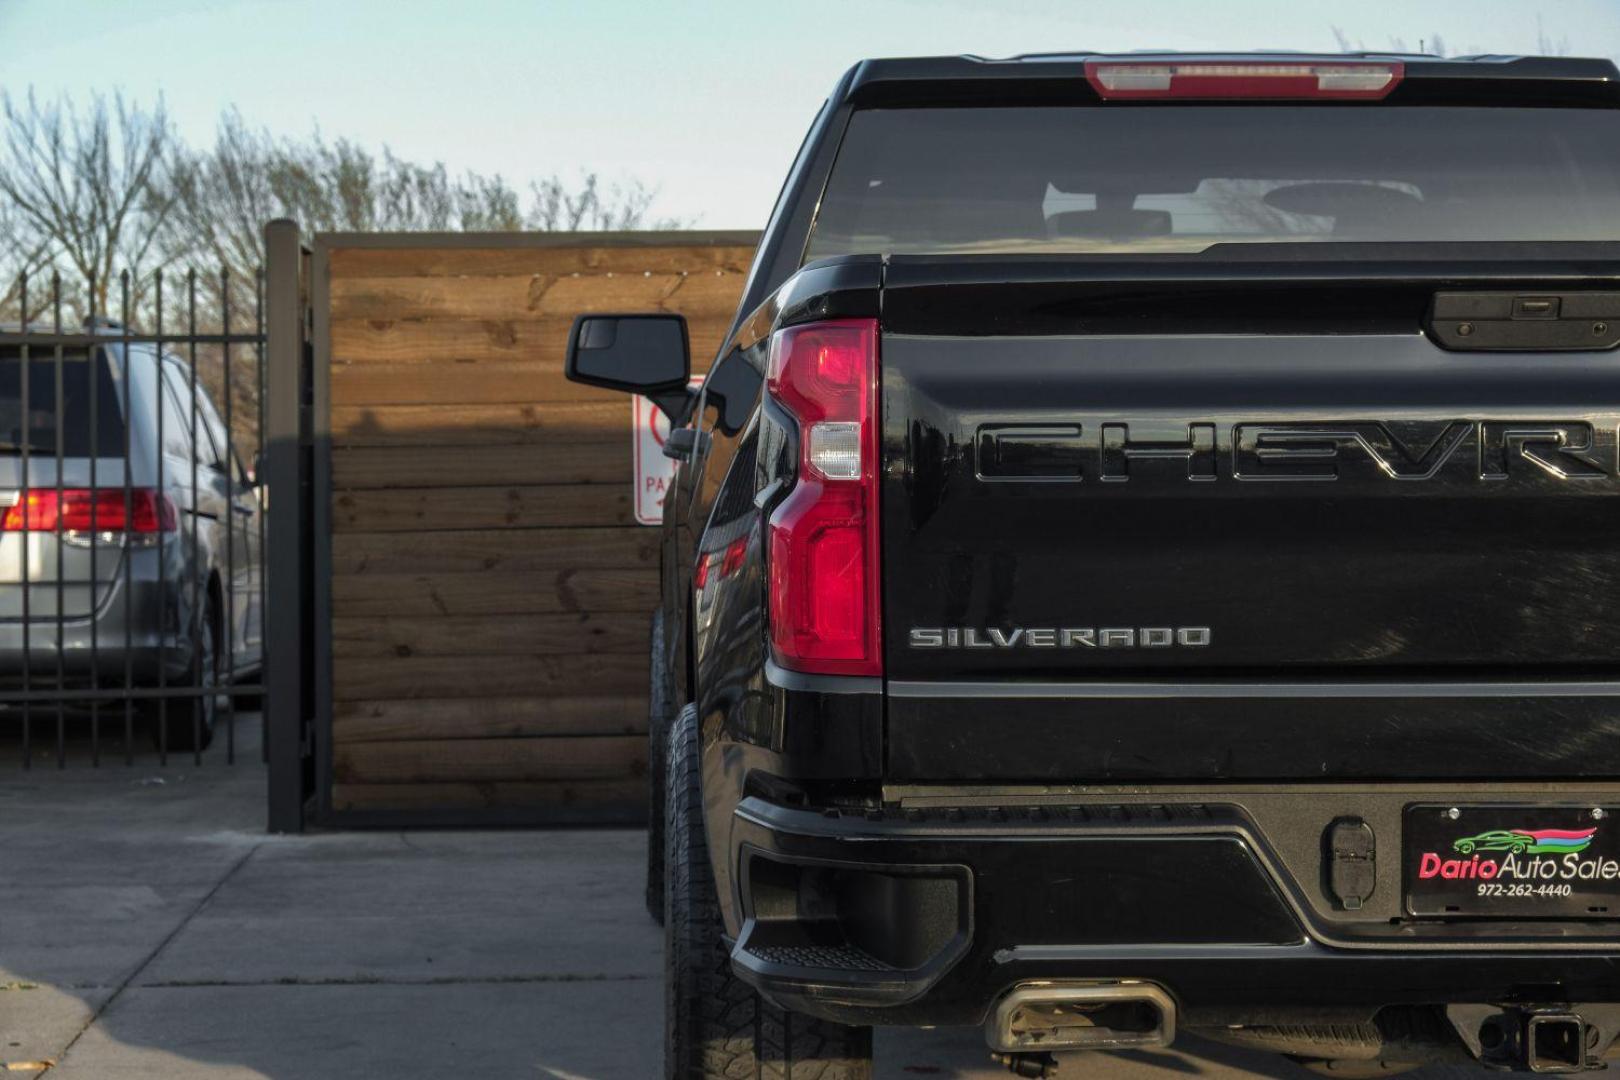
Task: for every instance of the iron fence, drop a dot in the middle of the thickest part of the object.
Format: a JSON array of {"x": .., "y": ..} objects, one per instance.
[{"x": 132, "y": 515}]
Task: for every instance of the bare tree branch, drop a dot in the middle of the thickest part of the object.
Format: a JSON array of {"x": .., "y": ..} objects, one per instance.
[
  {"x": 112, "y": 188},
  {"x": 88, "y": 190}
]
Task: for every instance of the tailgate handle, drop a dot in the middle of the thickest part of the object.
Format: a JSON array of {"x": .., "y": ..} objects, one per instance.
[{"x": 1525, "y": 321}]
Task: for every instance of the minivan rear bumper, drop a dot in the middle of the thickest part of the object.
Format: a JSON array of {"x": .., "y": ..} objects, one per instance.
[
  {"x": 140, "y": 634},
  {"x": 928, "y": 915},
  {"x": 146, "y": 661}
]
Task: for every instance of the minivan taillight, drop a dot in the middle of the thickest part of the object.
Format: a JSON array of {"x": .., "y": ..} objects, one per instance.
[
  {"x": 141, "y": 511},
  {"x": 824, "y": 587}
]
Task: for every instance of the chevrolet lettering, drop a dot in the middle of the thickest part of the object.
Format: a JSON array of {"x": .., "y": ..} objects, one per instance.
[{"x": 1414, "y": 450}]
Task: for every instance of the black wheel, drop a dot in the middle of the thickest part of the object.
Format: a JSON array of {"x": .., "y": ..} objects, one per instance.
[
  {"x": 660, "y": 709},
  {"x": 189, "y": 721},
  {"x": 715, "y": 1025}
]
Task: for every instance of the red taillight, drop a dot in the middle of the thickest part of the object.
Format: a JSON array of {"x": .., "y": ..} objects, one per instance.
[
  {"x": 1116, "y": 80},
  {"x": 83, "y": 510},
  {"x": 700, "y": 577},
  {"x": 824, "y": 588}
]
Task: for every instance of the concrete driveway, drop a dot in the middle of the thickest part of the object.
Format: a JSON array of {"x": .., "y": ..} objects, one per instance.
[{"x": 150, "y": 930}]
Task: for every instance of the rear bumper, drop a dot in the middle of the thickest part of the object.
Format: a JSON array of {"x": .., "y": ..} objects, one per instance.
[
  {"x": 142, "y": 658},
  {"x": 928, "y": 916},
  {"x": 147, "y": 662},
  {"x": 139, "y": 634}
]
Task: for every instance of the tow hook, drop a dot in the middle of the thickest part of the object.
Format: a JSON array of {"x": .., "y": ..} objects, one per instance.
[
  {"x": 1038, "y": 1064},
  {"x": 1540, "y": 1038}
]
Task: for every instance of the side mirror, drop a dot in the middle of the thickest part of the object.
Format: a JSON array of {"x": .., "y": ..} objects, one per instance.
[{"x": 638, "y": 354}]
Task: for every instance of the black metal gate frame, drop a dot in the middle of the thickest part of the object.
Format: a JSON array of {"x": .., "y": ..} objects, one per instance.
[
  {"x": 298, "y": 553},
  {"x": 102, "y": 330}
]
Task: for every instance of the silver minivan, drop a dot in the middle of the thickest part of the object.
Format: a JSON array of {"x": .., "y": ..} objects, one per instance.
[{"x": 130, "y": 537}]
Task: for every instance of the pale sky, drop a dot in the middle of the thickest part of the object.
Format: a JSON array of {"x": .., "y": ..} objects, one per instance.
[{"x": 705, "y": 100}]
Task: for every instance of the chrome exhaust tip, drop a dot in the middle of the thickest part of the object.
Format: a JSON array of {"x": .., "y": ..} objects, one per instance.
[{"x": 1046, "y": 1016}]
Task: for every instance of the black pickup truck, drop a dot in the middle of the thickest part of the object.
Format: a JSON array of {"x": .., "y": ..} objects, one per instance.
[{"x": 1142, "y": 562}]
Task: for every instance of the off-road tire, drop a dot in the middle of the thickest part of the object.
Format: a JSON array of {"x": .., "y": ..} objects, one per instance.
[
  {"x": 660, "y": 711},
  {"x": 716, "y": 1027}
]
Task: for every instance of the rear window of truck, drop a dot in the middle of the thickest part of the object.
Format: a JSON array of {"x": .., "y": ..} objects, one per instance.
[
  {"x": 1121, "y": 179},
  {"x": 36, "y": 422}
]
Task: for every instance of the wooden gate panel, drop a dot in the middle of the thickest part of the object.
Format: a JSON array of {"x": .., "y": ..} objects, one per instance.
[{"x": 490, "y": 591}]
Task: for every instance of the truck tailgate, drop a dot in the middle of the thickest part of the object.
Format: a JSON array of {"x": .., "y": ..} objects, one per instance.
[{"x": 1243, "y": 549}]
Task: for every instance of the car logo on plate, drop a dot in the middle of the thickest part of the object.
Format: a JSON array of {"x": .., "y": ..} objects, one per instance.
[
  {"x": 1531, "y": 862},
  {"x": 1527, "y": 841}
]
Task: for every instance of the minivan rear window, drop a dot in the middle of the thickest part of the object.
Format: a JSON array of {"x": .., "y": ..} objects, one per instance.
[
  {"x": 35, "y": 425},
  {"x": 1132, "y": 179}
]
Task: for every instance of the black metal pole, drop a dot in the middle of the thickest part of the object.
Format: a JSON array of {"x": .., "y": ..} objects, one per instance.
[
  {"x": 233, "y": 492},
  {"x": 26, "y": 499},
  {"x": 285, "y": 662}
]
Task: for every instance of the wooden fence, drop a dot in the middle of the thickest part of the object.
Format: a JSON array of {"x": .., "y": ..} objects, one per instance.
[{"x": 490, "y": 590}]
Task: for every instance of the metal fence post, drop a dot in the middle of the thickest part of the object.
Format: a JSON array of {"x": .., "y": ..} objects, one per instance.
[{"x": 287, "y": 666}]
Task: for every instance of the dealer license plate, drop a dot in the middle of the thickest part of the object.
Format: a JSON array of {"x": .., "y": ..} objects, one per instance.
[{"x": 1512, "y": 862}]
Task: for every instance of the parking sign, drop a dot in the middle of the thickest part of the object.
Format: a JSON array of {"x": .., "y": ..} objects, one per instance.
[{"x": 649, "y": 428}]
